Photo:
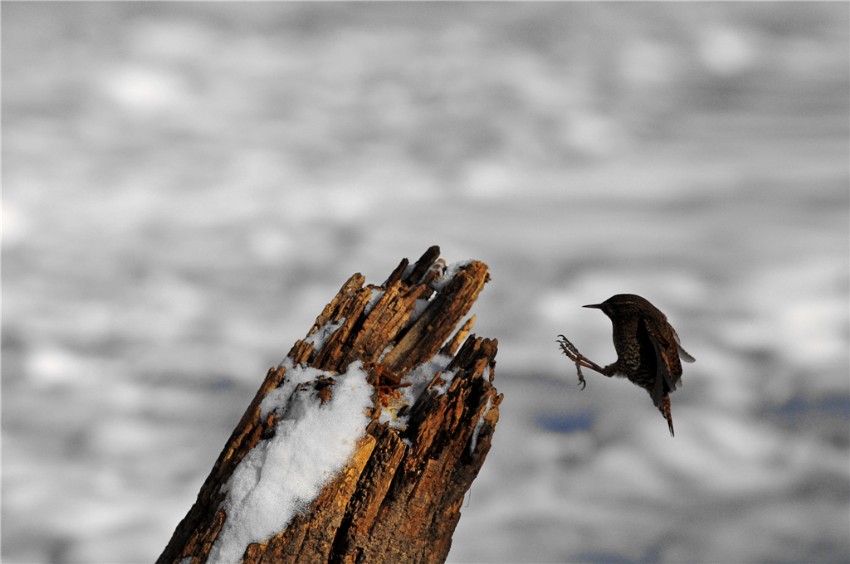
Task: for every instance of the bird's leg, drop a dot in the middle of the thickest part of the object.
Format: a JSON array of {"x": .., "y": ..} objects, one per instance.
[
  {"x": 571, "y": 351},
  {"x": 580, "y": 360}
]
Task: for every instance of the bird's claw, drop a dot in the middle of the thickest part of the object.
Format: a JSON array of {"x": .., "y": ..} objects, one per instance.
[{"x": 571, "y": 352}]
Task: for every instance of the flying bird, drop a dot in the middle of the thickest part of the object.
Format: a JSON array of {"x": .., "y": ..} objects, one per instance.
[{"x": 648, "y": 350}]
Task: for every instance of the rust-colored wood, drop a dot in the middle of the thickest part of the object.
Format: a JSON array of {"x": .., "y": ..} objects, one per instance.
[{"x": 398, "y": 499}]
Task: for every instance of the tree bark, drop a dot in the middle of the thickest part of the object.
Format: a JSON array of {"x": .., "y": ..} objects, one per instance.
[{"x": 398, "y": 498}]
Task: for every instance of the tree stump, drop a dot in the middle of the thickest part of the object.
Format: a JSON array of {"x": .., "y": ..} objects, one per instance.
[{"x": 432, "y": 412}]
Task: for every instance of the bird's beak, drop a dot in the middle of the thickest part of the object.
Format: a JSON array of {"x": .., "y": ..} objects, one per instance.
[{"x": 594, "y": 306}]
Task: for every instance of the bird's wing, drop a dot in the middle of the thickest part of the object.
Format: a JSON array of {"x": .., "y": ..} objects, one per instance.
[
  {"x": 667, "y": 359},
  {"x": 683, "y": 354}
]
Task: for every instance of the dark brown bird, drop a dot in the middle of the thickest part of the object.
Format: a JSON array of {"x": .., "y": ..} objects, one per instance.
[{"x": 648, "y": 349}]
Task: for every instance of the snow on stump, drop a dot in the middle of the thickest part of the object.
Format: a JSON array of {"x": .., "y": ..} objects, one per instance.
[{"x": 361, "y": 445}]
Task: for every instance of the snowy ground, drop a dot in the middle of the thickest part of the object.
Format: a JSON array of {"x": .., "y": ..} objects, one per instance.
[{"x": 185, "y": 185}]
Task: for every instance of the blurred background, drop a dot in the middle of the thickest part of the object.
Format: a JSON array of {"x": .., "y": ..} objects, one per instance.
[{"x": 186, "y": 185}]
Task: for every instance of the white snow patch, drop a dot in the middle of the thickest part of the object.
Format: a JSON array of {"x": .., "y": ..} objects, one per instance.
[
  {"x": 318, "y": 338},
  {"x": 384, "y": 352},
  {"x": 408, "y": 270},
  {"x": 281, "y": 476},
  {"x": 449, "y": 274},
  {"x": 422, "y": 375},
  {"x": 418, "y": 308},
  {"x": 377, "y": 294},
  {"x": 447, "y": 378},
  {"x": 419, "y": 377},
  {"x": 480, "y": 423}
]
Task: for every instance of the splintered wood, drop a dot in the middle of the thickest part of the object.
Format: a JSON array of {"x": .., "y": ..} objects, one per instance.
[{"x": 399, "y": 497}]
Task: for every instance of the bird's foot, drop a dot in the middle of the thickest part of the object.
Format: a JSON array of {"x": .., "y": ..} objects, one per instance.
[{"x": 572, "y": 353}]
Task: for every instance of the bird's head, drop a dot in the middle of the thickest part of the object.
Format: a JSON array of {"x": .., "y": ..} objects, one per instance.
[{"x": 622, "y": 306}]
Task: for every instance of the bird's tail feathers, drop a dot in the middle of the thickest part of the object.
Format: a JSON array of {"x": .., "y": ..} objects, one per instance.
[{"x": 665, "y": 410}]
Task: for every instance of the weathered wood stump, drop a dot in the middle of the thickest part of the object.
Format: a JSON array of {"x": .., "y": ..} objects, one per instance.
[{"x": 398, "y": 497}]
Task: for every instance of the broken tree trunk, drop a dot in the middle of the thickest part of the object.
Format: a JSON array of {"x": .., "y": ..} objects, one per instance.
[{"x": 433, "y": 412}]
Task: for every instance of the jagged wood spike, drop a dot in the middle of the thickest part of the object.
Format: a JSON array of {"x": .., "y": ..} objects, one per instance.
[{"x": 398, "y": 499}]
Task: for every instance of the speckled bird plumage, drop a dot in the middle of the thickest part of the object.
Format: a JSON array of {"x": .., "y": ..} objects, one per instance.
[{"x": 648, "y": 349}]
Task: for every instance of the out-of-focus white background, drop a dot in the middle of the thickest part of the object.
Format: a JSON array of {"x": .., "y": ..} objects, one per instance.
[{"x": 185, "y": 185}]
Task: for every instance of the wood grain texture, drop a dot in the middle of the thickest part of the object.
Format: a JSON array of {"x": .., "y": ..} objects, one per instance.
[{"x": 398, "y": 499}]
